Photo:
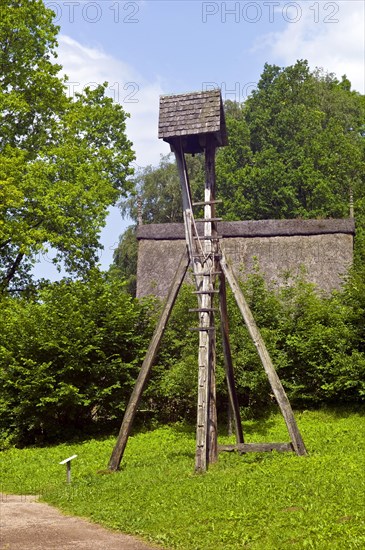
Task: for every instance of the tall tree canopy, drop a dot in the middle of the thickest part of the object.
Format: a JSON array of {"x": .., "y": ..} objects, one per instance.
[
  {"x": 63, "y": 161},
  {"x": 125, "y": 259},
  {"x": 296, "y": 147}
]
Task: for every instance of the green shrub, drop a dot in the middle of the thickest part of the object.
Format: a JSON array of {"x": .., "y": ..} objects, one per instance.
[
  {"x": 69, "y": 359},
  {"x": 315, "y": 341}
]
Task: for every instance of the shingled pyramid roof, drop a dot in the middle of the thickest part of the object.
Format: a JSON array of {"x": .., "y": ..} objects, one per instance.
[{"x": 193, "y": 114}]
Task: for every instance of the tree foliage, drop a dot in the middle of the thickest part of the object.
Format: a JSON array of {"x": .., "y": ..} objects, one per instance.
[
  {"x": 296, "y": 149},
  {"x": 316, "y": 343},
  {"x": 63, "y": 160},
  {"x": 159, "y": 193},
  {"x": 125, "y": 259},
  {"x": 69, "y": 358}
]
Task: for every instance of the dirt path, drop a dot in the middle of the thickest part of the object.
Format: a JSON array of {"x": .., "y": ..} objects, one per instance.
[{"x": 31, "y": 525}]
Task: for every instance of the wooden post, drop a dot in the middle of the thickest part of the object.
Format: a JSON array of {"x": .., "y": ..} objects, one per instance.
[
  {"x": 206, "y": 432},
  {"x": 186, "y": 198},
  {"x": 274, "y": 380},
  {"x": 210, "y": 245},
  {"x": 202, "y": 254},
  {"x": 233, "y": 409},
  {"x": 139, "y": 210},
  {"x": 67, "y": 461},
  {"x": 229, "y": 419},
  {"x": 131, "y": 409}
]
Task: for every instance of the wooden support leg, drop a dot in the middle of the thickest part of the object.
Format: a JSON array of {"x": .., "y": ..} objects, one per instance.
[
  {"x": 274, "y": 380},
  {"x": 229, "y": 419},
  {"x": 206, "y": 428},
  {"x": 228, "y": 363},
  {"x": 206, "y": 433},
  {"x": 201, "y": 246},
  {"x": 202, "y": 423},
  {"x": 131, "y": 409},
  {"x": 212, "y": 418},
  {"x": 210, "y": 230}
]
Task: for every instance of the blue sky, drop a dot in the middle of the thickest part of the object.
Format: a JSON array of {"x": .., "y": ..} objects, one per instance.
[{"x": 147, "y": 48}]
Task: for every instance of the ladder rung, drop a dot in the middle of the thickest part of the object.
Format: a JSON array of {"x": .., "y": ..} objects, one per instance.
[
  {"x": 206, "y": 273},
  {"x": 202, "y": 328},
  {"x": 203, "y": 309},
  {"x": 217, "y": 255},
  {"x": 203, "y": 203},
  {"x": 205, "y": 292},
  {"x": 209, "y": 220}
]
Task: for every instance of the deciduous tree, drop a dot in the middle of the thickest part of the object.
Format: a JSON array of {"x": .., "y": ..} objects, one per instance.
[
  {"x": 297, "y": 147},
  {"x": 63, "y": 161}
]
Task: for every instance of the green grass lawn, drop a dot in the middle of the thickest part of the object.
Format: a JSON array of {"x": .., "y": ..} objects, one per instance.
[{"x": 257, "y": 501}]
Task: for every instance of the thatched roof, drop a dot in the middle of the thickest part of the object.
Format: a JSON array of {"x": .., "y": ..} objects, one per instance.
[{"x": 260, "y": 228}]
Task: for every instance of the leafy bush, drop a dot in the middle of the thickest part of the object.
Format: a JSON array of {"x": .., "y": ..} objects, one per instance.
[
  {"x": 315, "y": 341},
  {"x": 320, "y": 347},
  {"x": 69, "y": 359}
]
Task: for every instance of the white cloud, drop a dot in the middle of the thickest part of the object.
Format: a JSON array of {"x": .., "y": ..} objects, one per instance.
[
  {"x": 90, "y": 66},
  {"x": 328, "y": 35}
]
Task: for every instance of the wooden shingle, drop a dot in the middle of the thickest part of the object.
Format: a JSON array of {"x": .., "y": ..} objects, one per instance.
[{"x": 190, "y": 118}]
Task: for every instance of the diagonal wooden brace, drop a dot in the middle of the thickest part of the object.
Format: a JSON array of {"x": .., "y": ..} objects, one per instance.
[
  {"x": 131, "y": 409},
  {"x": 271, "y": 373}
]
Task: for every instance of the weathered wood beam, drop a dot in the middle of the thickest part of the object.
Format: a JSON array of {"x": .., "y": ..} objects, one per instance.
[
  {"x": 210, "y": 247},
  {"x": 202, "y": 284},
  {"x": 203, "y": 203},
  {"x": 271, "y": 373},
  {"x": 228, "y": 363},
  {"x": 256, "y": 447},
  {"x": 131, "y": 409}
]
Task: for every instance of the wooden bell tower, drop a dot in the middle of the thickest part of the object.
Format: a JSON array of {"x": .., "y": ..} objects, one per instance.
[{"x": 194, "y": 123}]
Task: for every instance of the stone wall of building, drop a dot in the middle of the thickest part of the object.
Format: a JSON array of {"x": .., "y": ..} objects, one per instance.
[{"x": 324, "y": 248}]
